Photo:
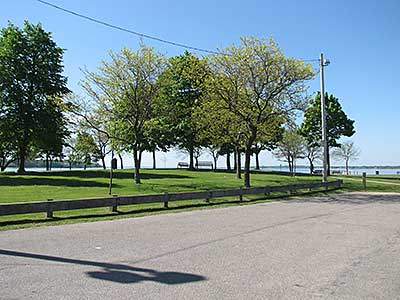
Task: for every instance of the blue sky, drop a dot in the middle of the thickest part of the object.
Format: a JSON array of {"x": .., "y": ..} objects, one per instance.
[{"x": 361, "y": 38}]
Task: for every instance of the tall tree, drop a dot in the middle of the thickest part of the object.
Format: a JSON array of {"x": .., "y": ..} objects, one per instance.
[
  {"x": 337, "y": 122},
  {"x": 346, "y": 152},
  {"x": 182, "y": 86},
  {"x": 126, "y": 88},
  {"x": 30, "y": 79},
  {"x": 220, "y": 128},
  {"x": 85, "y": 149},
  {"x": 227, "y": 149},
  {"x": 291, "y": 148},
  {"x": 8, "y": 150},
  {"x": 268, "y": 141},
  {"x": 257, "y": 83},
  {"x": 52, "y": 131}
]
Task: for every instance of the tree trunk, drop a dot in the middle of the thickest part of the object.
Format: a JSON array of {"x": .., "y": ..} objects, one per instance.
[
  {"x": 234, "y": 159},
  {"x": 121, "y": 160},
  {"x": 5, "y": 163},
  {"x": 191, "y": 154},
  {"x": 22, "y": 156},
  {"x": 140, "y": 159},
  {"x": 290, "y": 165},
  {"x": 228, "y": 161},
  {"x": 136, "y": 159},
  {"x": 238, "y": 164},
  {"x": 47, "y": 162},
  {"x": 154, "y": 159},
  {"x": 257, "y": 161},
  {"x": 311, "y": 166},
  {"x": 103, "y": 162},
  {"x": 51, "y": 163},
  {"x": 347, "y": 167},
  {"x": 70, "y": 165},
  {"x": 215, "y": 162},
  {"x": 247, "y": 166}
]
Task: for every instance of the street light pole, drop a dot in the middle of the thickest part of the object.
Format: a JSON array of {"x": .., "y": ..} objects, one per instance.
[{"x": 322, "y": 64}]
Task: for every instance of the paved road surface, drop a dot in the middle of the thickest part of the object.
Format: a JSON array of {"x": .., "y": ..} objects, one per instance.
[{"x": 337, "y": 247}]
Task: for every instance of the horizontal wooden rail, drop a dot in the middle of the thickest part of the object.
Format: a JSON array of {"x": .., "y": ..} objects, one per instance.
[{"x": 59, "y": 205}]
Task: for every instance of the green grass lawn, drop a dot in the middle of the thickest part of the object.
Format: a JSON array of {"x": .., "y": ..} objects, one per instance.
[
  {"x": 39, "y": 186},
  {"x": 375, "y": 183}
]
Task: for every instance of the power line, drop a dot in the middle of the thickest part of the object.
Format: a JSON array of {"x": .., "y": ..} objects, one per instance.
[{"x": 142, "y": 35}]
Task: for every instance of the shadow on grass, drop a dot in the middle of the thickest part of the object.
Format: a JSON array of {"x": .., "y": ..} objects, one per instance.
[
  {"x": 114, "y": 272},
  {"x": 26, "y": 181},
  {"x": 155, "y": 210},
  {"x": 95, "y": 174},
  {"x": 386, "y": 178}
]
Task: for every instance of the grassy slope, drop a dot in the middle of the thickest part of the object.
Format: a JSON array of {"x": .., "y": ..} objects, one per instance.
[{"x": 38, "y": 186}]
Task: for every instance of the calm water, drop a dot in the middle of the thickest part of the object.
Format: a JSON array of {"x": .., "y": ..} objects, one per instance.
[
  {"x": 355, "y": 171},
  {"x": 283, "y": 168}
]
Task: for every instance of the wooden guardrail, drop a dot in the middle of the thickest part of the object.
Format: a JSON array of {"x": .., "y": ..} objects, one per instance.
[{"x": 50, "y": 206}]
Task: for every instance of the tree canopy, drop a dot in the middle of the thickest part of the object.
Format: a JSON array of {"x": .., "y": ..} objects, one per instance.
[
  {"x": 125, "y": 89},
  {"x": 182, "y": 85},
  {"x": 256, "y": 83},
  {"x": 337, "y": 122},
  {"x": 31, "y": 86}
]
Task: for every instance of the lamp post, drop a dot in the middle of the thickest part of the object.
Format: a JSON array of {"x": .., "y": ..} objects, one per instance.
[{"x": 323, "y": 63}]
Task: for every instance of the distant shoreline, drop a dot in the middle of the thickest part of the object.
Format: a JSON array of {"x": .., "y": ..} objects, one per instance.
[{"x": 339, "y": 167}]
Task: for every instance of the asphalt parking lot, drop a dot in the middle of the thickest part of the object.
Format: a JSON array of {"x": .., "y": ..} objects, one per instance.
[{"x": 343, "y": 246}]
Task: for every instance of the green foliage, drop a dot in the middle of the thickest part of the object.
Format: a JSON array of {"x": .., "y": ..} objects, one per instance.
[
  {"x": 290, "y": 148},
  {"x": 30, "y": 79},
  {"x": 253, "y": 87},
  {"x": 337, "y": 122},
  {"x": 85, "y": 149},
  {"x": 182, "y": 86},
  {"x": 125, "y": 88}
]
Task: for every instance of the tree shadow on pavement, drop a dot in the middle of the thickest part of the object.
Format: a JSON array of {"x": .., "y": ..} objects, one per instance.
[
  {"x": 354, "y": 198},
  {"x": 120, "y": 273}
]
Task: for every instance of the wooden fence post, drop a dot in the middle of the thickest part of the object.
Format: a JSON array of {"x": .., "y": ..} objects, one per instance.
[
  {"x": 49, "y": 213},
  {"x": 166, "y": 202},
  {"x": 114, "y": 207}
]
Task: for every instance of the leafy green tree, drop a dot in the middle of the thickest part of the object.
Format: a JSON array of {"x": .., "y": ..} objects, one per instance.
[
  {"x": 85, "y": 150},
  {"x": 126, "y": 88},
  {"x": 30, "y": 79},
  {"x": 52, "y": 131},
  {"x": 269, "y": 140},
  {"x": 220, "y": 128},
  {"x": 256, "y": 83},
  {"x": 182, "y": 86},
  {"x": 8, "y": 149},
  {"x": 337, "y": 123},
  {"x": 227, "y": 149},
  {"x": 291, "y": 148}
]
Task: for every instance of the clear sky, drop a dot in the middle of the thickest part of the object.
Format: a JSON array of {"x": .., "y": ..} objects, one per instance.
[{"x": 361, "y": 38}]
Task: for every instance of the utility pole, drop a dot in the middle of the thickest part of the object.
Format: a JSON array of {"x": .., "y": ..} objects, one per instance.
[{"x": 322, "y": 64}]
